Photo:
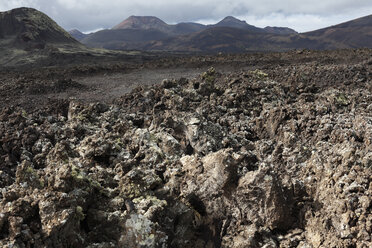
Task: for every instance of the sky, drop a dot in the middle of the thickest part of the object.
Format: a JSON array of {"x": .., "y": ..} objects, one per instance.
[{"x": 301, "y": 15}]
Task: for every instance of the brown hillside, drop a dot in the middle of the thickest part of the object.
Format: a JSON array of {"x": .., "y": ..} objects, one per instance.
[{"x": 355, "y": 33}]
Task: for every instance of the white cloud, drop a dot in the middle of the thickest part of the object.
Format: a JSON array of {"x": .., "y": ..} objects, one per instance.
[
  {"x": 302, "y": 15},
  {"x": 72, "y": 4}
]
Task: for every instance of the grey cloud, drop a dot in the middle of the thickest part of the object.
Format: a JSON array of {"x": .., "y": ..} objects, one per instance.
[{"x": 302, "y": 15}]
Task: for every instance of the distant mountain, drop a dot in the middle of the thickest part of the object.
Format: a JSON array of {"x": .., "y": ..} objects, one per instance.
[
  {"x": 354, "y": 34},
  {"x": 135, "y": 31},
  {"x": 187, "y": 28},
  {"x": 122, "y": 38},
  {"x": 24, "y": 29},
  {"x": 154, "y": 23},
  {"x": 144, "y": 23},
  {"x": 233, "y": 22},
  {"x": 225, "y": 39},
  {"x": 77, "y": 34},
  {"x": 280, "y": 30},
  {"x": 28, "y": 28},
  {"x": 231, "y": 35}
]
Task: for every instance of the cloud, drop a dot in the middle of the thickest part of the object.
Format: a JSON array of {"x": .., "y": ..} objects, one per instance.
[{"x": 302, "y": 15}]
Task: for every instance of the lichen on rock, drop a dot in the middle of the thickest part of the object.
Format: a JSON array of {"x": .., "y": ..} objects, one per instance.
[{"x": 262, "y": 158}]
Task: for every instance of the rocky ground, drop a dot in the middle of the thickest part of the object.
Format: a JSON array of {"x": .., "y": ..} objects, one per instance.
[{"x": 270, "y": 155}]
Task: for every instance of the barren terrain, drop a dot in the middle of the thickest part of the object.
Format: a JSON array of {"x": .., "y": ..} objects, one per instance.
[{"x": 248, "y": 150}]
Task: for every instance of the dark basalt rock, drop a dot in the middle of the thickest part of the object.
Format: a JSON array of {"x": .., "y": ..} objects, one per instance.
[{"x": 261, "y": 158}]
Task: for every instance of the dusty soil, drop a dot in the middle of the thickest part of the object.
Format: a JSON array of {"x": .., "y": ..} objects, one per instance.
[
  {"x": 263, "y": 150},
  {"x": 34, "y": 89},
  {"x": 113, "y": 85},
  {"x": 103, "y": 81}
]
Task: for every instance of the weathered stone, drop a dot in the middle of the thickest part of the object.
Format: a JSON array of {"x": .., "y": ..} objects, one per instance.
[{"x": 265, "y": 158}]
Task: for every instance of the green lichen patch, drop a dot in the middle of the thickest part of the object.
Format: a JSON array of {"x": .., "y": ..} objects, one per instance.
[
  {"x": 79, "y": 213},
  {"x": 209, "y": 76},
  {"x": 27, "y": 175},
  {"x": 341, "y": 99},
  {"x": 259, "y": 74}
]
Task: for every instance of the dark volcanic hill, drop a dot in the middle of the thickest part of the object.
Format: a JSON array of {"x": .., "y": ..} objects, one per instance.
[
  {"x": 355, "y": 33},
  {"x": 225, "y": 39},
  {"x": 232, "y": 22},
  {"x": 233, "y": 35},
  {"x": 148, "y": 32},
  {"x": 135, "y": 31},
  {"x": 187, "y": 28},
  {"x": 129, "y": 39},
  {"x": 29, "y": 28},
  {"x": 28, "y": 35},
  {"x": 29, "y": 38},
  {"x": 77, "y": 34},
  {"x": 280, "y": 30},
  {"x": 154, "y": 23},
  {"x": 144, "y": 23}
]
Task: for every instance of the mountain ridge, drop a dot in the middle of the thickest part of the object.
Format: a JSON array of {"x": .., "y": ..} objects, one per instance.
[
  {"x": 234, "y": 40},
  {"x": 232, "y": 22},
  {"x": 355, "y": 33},
  {"x": 227, "y": 34},
  {"x": 135, "y": 31},
  {"x": 280, "y": 30},
  {"x": 29, "y": 29}
]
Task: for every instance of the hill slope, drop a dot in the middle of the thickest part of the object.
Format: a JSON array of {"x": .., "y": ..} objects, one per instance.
[
  {"x": 280, "y": 30},
  {"x": 151, "y": 33},
  {"x": 154, "y": 23},
  {"x": 135, "y": 31},
  {"x": 27, "y": 28},
  {"x": 225, "y": 39},
  {"x": 354, "y": 34},
  {"x": 144, "y": 23},
  {"x": 122, "y": 38},
  {"x": 232, "y": 22},
  {"x": 77, "y": 34},
  {"x": 27, "y": 35},
  {"x": 187, "y": 28}
]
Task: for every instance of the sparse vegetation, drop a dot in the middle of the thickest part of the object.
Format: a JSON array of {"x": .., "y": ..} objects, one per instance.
[
  {"x": 259, "y": 74},
  {"x": 79, "y": 213},
  {"x": 209, "y": 76}
]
